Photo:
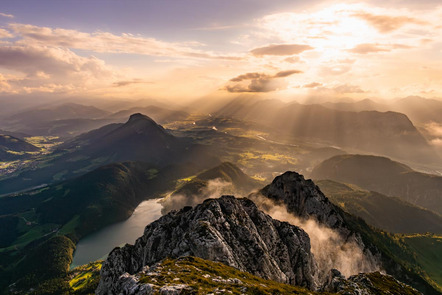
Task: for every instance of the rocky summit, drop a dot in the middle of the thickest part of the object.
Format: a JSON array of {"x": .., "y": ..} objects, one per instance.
[{"x": 228, "y": 230}]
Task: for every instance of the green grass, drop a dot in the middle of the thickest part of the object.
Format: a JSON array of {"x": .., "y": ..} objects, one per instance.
[
  {"x": 70, "y": 227},
  {"x": 34, "y": 232},
  {"x": 85, "y": 278},
  {"x": 428, "y": 253},
  {"x": 203, "y": 277}
]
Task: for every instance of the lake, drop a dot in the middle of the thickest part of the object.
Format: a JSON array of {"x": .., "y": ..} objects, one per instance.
[{"x": 98, "y": 245}]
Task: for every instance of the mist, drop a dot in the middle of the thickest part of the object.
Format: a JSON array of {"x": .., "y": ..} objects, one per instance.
[
  {"x": 330, "y": 250},
  {"x": 214, "y": 189}
]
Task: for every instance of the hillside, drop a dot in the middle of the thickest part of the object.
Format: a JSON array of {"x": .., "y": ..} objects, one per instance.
[
  {"x": 385, "y": 176},
  {"x": 139, "y": 139},
  {"x": 387, "y": 213},
  {"x": 76, "y": 207},
  {"x": 12, "y": 148}
]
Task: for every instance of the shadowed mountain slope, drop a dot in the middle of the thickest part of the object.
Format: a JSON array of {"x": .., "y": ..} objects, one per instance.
[
  {"x": 388, "y": 213},
  {"x": 384, "y": 176}
]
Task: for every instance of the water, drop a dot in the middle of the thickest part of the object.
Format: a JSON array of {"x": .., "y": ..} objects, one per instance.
[{"x": 98, "y": 245}]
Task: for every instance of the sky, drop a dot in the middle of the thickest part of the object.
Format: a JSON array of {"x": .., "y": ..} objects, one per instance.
[{"x": 187, "y": 49}]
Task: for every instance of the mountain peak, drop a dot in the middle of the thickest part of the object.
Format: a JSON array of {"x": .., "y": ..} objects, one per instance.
[
  {"x": 228, "y": 230},
  {"x": 138, "y": 117}
]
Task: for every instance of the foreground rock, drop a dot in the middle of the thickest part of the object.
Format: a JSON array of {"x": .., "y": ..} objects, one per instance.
[{"x": 228, "y": 230}]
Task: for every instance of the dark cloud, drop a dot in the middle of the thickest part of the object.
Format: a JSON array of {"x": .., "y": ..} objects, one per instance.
[
  {"x": 283, "y": 74},
  {"x": 280, "y": 49},
  {"x": 385, "y": 23},
  {"x": 248, "y": 76},
  {"x": 373, "y": 48},
  {"x": 369, "y": 48},
  {"x": 259, "y": 82},
  {"x": 312, "y": 85},
  {"x": 129, "y": 82}
]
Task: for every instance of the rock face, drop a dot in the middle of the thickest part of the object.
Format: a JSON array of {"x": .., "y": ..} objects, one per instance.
[
  {"x": 304, "y": 199},
  {"x": 228, "y": 230}
]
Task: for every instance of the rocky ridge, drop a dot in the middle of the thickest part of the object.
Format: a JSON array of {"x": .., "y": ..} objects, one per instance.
[
  {"x": 228, "y": 230},
  {"x": 304, "y": 199}
]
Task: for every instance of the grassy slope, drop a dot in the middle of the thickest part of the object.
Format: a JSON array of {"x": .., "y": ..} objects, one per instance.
[
  {"x": 428, "y": 253},
  {"x": 205, "y": 277},
  {"x": 388, "y": 213}
]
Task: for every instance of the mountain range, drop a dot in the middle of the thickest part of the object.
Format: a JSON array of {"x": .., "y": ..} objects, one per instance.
[{"x": 386, "y": 133}]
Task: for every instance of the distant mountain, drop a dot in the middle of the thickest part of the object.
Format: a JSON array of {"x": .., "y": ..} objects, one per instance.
[
  {"x": 58, "y": 112},
  {"x": 420, "y": 110},
  {"x": 358, "y": 106},
  {"x": 12, "y": 148},
  {"x": 19, "y": 135},
  {"x": 386, "y": 133},
  {"x": 159, "y": 114},
  {"x": 139, "y": 139},
  {"x": 65, "y": 120},
  {"x": 387, "y": 213},
  {"x": 223, "y": 179},
  {"x": 385, "y": 176}
]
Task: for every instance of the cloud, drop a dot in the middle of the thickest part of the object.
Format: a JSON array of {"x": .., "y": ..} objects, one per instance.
[
  {"x": 312, "y": 85},
  {"x": 49, "y": 69},
  {"x": 280, "y": 49},
  {"x": 6, "y": 15},
  {"x": 283, "y": 74},
  {"x": 259, "y": 82},
  {"x": 5, "y": 34},
  {"x": 105, "y": 42},
  {"x": 385, "y": 23},
  {"x": 292, "y": 59},
  {"x": 374, "y": 48},
  {"x": 130, "y": 82},
  {"x": 368, "y": 48},
  {"x": 344, "y": 89}
]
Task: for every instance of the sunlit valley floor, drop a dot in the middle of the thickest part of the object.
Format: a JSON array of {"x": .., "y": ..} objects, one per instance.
[{"x": 77, "y": 179}]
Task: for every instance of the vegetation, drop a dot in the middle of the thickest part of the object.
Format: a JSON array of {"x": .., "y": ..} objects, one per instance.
[
  {"x": 203, "y": 277},
  {"x": 387, "y": 213},
  {"x": 84, "y": 279},
  {"x": 384, "y": 176},
  {"x": 427, "y": 251}
]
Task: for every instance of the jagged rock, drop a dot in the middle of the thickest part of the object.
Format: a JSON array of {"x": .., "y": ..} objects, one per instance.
[
  {"x": 228, "y": 230},
  {"x": 304, "y": 199}
]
